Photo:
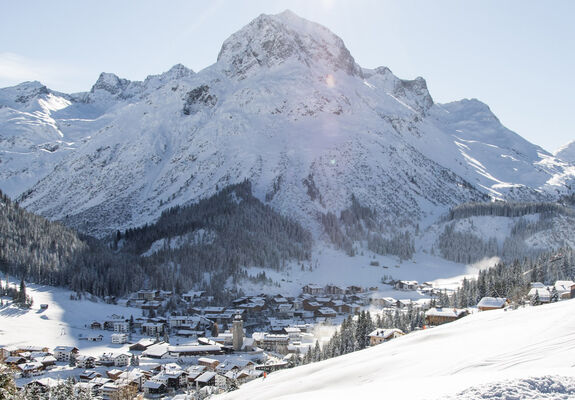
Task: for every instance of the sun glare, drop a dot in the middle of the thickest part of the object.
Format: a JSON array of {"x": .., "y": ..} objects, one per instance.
[{"x": 330, "y": 80}]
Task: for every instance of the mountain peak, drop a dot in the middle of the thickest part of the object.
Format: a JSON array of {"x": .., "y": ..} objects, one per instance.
[
  {"x": 111, "y": 83},
  {"x": 272, "y": 40}
]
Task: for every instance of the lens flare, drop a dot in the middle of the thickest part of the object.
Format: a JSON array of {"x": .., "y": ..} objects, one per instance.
[{"x": 330, "y": 81}]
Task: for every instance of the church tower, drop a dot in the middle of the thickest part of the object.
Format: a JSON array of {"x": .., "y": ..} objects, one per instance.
[{"x": 238, "y": 332}]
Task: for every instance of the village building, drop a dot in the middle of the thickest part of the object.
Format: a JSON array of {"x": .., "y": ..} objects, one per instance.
[
  {"x": 119, "y": 338},
  {"x": 84, "y": 361},
  {"x": 142, "y": 344},
  {"x": 88, "y": 375},
  {"x": 121, "y": 326},
  {"x": 491, "y": 303},
  {"x": 114, "y": 359},
  {"x": 154, "y": 389},
  {"x": 152, "y": 328},
  {"x": 64, "y": 353},
  {"x": 32, "y": 368},
  {"x": 438, "y": 315},
  {"x": 564, "y": 289},
  {"x": 158, "y": 350},
  {"x": 406, "y": 285},
  {"x": 313, "y": 289},
  {"x": 543, "y": 294},
  {"x": 194, "y": 350},
  {"x": 47, "y": 361},
  {"x": 383, "y": 335},
  {"x": 206, "y": 379}
]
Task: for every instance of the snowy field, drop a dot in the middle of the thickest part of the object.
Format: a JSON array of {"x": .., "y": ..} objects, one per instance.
[
  {"x": 63, "y": 323},
  {"x": 330, "y": 266},
  {"x": 523, "y": 354}
]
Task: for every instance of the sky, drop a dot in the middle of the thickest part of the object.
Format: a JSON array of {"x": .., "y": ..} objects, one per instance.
[{"x": 517, "y": 56}]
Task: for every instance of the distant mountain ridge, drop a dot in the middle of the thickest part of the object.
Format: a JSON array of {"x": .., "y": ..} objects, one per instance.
[{"x": 287, "y": 108}]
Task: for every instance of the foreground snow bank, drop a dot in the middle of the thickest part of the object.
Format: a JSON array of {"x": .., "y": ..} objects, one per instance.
[
  {"x": 539, "y": 388},
  {"x": 485, "y": 348}
]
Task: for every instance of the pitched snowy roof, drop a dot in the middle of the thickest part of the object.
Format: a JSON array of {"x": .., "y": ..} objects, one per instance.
[
  {"x": 445, "y": 312},
  {"x": 492, "y": 302},
  {"x": 385, "y": 333},
  {"x": 205, "y": 377}
]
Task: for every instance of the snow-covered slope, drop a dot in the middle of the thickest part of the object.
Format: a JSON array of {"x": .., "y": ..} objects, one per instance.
[
  {"x": 287, "y": 107},
  {"x": 499, "y": 348},
  {"x": 567, "y": 152}
]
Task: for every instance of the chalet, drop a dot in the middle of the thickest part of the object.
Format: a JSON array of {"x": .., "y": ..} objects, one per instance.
[
  {"x": 114, "y": 374},
  {"x": 87, "y": 376},
  {"x": 403, "y": 303},
  {"x": 383, "y": 335},
  {"x": 351, "y": 308},
  {"x": 84, "y": 361},
  {"x": 42, "y": 385},
  {"x": 14, "y": 361},
  {"x": 193, "y": 372},
  {"x": 174, "y": 378},
  {"x": 47, "y": 361},
  {"x": 383, "y": 302},
  {"x": 115, "y": 359},
  {"x": 334, "y": 290},
  {"x": 564, "y": 289},
  {"x": 31, "y": 368},
  {"x": 210, "y": 363},
  {"x": 64, "y": 353},
  {"x": 543, "y": 293},
  {"x": 142, "y": 344},
  {"x": 313, "y": 289},
  {"x": 206, "y": 379},
  {"x": 491, "y": 303},
  {"x": 154, "y": 389},
  {"x": 310, "y": 305},
  {"x": 438, "y": 315},
  {"x": 135, "y": 377},
  {"x": 119, "y": 338},
  {"x": 406, "y": 285},
  {"x": 146, "y": 295},
  {"x": 353, "y": 289},
  {"x": 193, "y": 296},
  {"x": 325, "y": 312},
  {"x": 95, "y": 338},
  {"x": 95, "y": 325},
  {"x": 151, "y": 305}
]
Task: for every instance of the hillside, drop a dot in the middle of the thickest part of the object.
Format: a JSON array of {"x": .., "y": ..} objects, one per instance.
[
  {"x": 501, "y": 348},
  {"x": 286, "y": 107}
]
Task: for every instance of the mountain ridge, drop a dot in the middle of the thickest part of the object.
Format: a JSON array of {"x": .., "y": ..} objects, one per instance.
[{"x": 286, "y": 107}]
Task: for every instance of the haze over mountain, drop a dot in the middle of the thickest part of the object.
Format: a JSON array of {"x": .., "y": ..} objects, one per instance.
[{"x": 285, "y": 106}]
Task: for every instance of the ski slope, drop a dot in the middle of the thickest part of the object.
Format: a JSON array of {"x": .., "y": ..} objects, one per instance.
[{"x": 525, "y": 353}]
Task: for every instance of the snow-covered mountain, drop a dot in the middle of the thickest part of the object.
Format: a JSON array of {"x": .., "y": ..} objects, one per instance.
[
  {"x": 285, "y": 106},
  {"x": 567, "y": 152}
]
